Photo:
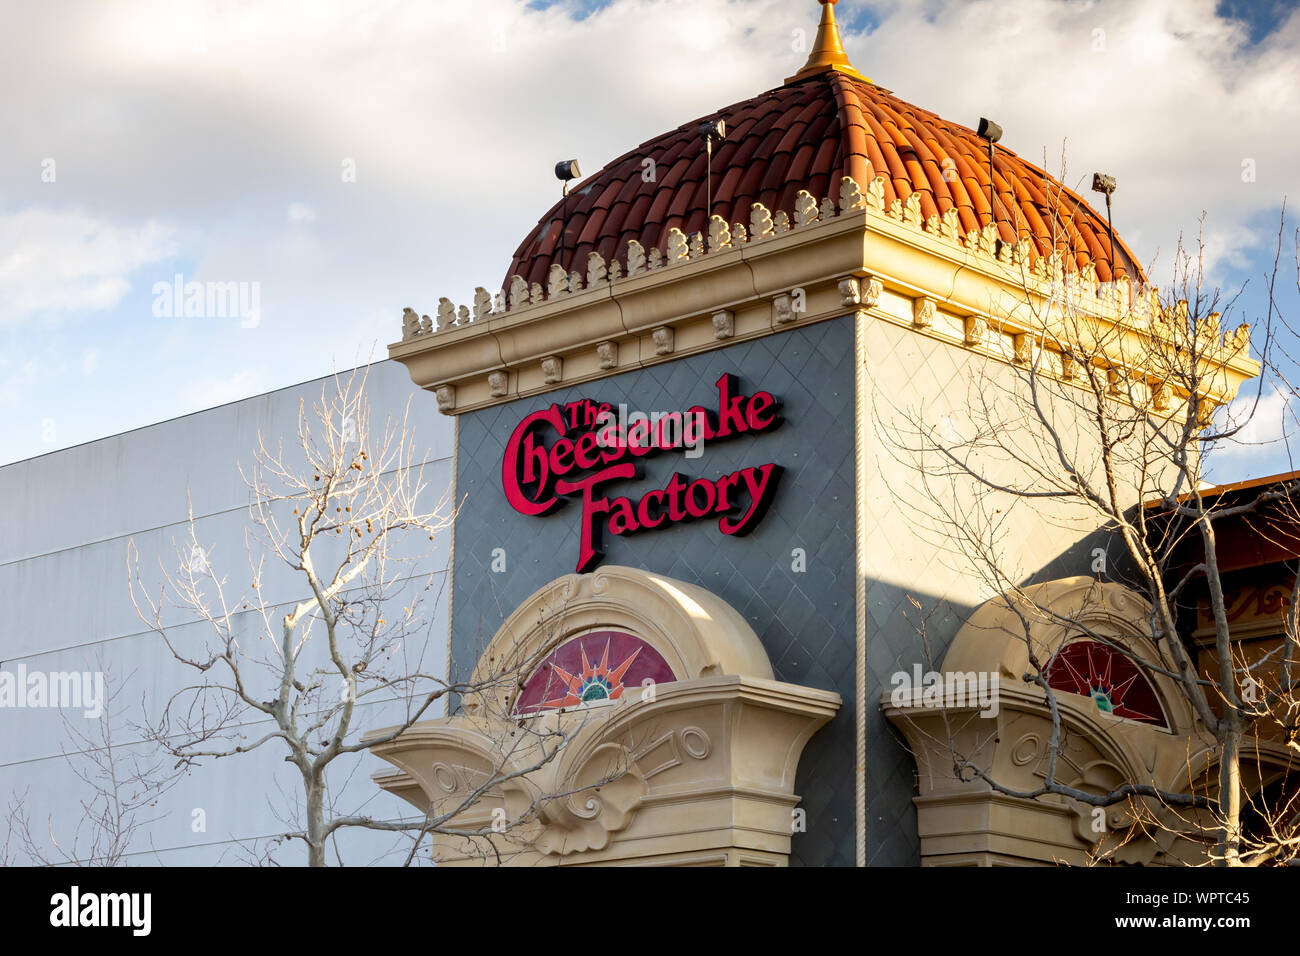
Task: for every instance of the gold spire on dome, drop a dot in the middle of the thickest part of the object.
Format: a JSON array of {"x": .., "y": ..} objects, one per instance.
[{"x": 828, "y": 54}]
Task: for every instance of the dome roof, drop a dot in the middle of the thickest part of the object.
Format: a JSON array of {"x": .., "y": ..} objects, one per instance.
[{"x": 826, "y": 122}]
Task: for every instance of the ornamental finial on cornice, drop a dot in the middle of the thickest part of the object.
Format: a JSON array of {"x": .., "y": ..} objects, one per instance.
[
  {"x": 518, "y": 292},
  {"x": 719, "y": 234},
  {"x": 805, "y": 208},
  {"x": 446, "y": 313},
  {"x": 678, "y": 248},
  {"x": 557, "y": 281},
  {"x": 636, "y": 260},
  {"x": 851, "y": 195}
]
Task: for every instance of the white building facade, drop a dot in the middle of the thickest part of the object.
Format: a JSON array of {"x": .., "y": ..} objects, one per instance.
[{"x": 71, "y": 634}]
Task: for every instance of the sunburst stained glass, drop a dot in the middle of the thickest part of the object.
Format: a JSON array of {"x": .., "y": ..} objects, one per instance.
[
  {"x": 1108, "y": 676},
  {"x": 593, "y": 667}
]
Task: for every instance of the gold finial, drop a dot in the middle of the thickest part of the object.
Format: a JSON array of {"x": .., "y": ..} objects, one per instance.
[{"x": 828, "y": 52}]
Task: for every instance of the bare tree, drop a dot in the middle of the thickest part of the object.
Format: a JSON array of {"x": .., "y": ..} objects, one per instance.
[
  {"x": 123, "y": 783},
  {"x": 1106, "y": 422},
  {"x": 345, "y": 514}
]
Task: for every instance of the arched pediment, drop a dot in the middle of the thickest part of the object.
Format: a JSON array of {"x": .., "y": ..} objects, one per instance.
[
  {"x": 1000, "y": 633},
  {"x": 619, "y": 715},
  {"x": 696, "y": 633},
  {"x": 1093, "y": 643}
]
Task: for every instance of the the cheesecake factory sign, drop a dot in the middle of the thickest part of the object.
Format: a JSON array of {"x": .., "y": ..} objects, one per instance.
[{"x": 580, "y": 449}]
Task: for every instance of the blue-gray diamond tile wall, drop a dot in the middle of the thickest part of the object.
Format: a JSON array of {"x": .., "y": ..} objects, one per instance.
[{"x": 805, "y": 619}]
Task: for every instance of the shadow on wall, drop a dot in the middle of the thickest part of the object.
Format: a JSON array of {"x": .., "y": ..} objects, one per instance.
[{"x": 895, "y": 644}]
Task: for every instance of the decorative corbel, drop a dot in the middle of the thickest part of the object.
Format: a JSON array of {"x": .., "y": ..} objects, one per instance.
[
  {"x": 663, "y": 340},
  {"x": 446, "y": 397},
  {"x": 783, "y": 309},
  {"x": 924, "y": 310},
  {"x": 871, "y": 291},
  {"x": 1022, "y": 348},
  {"x": 850, "y": 291},
  {"x": 724, "y": 324}
]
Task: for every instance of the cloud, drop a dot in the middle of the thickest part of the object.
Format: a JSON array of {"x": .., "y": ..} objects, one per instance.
[
  {"x": 418, "y": 140},
  {"x": 1262, "y": 446},
  {"x": 15, "y": 379},
  {"x": 209, "y": 392},
  {"x": 53, "y": 261},
  {"x": 1167, "y": 95}
]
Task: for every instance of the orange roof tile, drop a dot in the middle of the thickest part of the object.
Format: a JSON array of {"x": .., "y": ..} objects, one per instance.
[{"x": 808, "y": 134}]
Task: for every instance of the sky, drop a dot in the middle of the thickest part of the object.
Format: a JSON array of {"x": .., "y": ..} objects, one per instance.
[{"x": 327, "y": 163}]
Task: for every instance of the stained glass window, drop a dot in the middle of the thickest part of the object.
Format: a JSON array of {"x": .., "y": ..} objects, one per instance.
[
  {"x": 591, "y": 668},
  {"x": 1107, "y": 675}
]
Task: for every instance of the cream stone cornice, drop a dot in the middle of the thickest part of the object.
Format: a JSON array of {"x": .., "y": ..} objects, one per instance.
[
  {"x": 709, "y": 764},
  {"x": 778, "y": 272},
  {"x": 699, "y": 769}
]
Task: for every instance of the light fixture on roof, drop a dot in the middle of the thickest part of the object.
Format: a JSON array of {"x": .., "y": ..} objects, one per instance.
[
  {"x": 713, "y": 129},
  {"x": 1102, "y": 183},
  {"x": 709, "y": 131},
  {"x": 992, "y": 132},
  {"x": 989, "y": 130},
  {"x": 566, "y": 171}
]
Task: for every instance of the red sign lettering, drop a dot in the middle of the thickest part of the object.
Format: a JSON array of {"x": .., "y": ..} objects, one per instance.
[{"x": 576, "y": 450}]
